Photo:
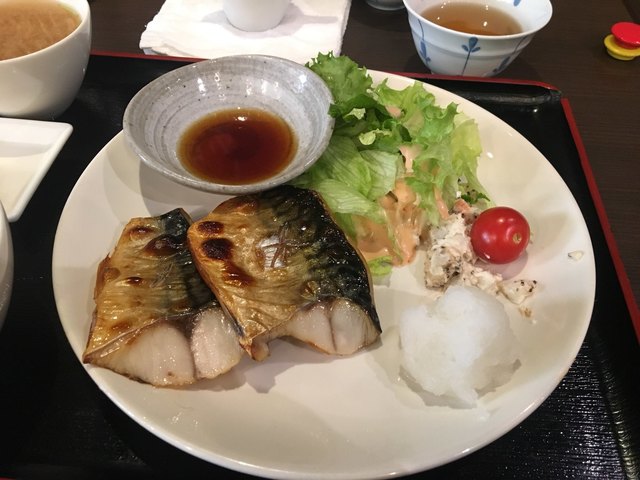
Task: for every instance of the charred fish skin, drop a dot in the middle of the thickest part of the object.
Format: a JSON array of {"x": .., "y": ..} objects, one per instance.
[
  {"x": 271, "y": 256},
  {"x": 147, "y": 292}
]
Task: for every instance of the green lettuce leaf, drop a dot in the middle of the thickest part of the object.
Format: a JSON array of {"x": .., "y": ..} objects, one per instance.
[{"x": 373, "y": 125}]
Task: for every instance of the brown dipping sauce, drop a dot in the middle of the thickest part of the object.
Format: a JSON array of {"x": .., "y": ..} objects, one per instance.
[
  {"x": 237, "y": 146},
  {"x": 472, "y": 18}
]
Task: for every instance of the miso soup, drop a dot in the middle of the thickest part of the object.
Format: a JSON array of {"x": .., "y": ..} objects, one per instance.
[{"x": 27, "y": 26}]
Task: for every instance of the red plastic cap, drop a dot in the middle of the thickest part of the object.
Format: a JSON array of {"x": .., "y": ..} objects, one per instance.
[{"x": 627, "y": 34}]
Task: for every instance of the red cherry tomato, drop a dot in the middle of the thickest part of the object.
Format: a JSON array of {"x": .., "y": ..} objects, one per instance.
[{"x": 500, "y": 235}]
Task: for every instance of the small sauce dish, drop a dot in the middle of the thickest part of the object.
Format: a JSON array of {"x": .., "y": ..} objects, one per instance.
[{"x": 232, "y": 96}]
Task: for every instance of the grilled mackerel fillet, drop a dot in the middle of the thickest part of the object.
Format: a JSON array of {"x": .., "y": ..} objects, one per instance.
[
  {"x": 155, "y": 319},
  {"x": 280, "y": 266}
]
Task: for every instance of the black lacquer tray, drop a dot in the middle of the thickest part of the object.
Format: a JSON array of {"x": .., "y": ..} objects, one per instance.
[{"x": 56, "y": 423}]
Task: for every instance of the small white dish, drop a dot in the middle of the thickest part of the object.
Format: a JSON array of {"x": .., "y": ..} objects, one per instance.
[{"x": 27, "y": 150}]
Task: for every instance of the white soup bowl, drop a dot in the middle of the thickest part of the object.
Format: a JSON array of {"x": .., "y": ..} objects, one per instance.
[{"x": 41, "y": 85}]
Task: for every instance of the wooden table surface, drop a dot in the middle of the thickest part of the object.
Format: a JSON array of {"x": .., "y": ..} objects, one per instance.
[{"x": 568, "y": 54}]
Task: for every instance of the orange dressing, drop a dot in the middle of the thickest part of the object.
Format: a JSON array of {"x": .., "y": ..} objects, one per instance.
[{"x": 406, "y": 224}]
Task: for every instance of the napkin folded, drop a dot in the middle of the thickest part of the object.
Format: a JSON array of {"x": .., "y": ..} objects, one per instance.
[{"x": 200, "y": 29}]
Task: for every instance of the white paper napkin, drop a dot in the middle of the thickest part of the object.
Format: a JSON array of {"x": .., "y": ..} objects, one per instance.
[{"x": 199, "y": 28}]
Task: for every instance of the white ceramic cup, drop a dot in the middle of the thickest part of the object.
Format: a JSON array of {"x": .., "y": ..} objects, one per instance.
[
  {"x": 255, "y": 15},
  {"x": 42, "y": 84}
]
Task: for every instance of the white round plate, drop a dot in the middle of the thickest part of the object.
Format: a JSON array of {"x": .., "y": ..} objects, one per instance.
[{"x": 301, "y": 414}]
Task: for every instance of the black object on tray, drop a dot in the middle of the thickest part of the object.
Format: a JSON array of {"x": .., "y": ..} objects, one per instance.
[{"x": 56, "y": 423}]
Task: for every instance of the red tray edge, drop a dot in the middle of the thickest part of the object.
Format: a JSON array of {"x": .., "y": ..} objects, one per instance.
[{"x": 621, "y": 273}]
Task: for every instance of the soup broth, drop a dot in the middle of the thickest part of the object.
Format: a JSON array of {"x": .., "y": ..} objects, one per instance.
[
  {"x": 27, "y": 26},
  {"x": 473, "y": 18}
]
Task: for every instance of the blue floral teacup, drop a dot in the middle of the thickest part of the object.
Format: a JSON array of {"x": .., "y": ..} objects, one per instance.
[{"x": 463, "y": 43}]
